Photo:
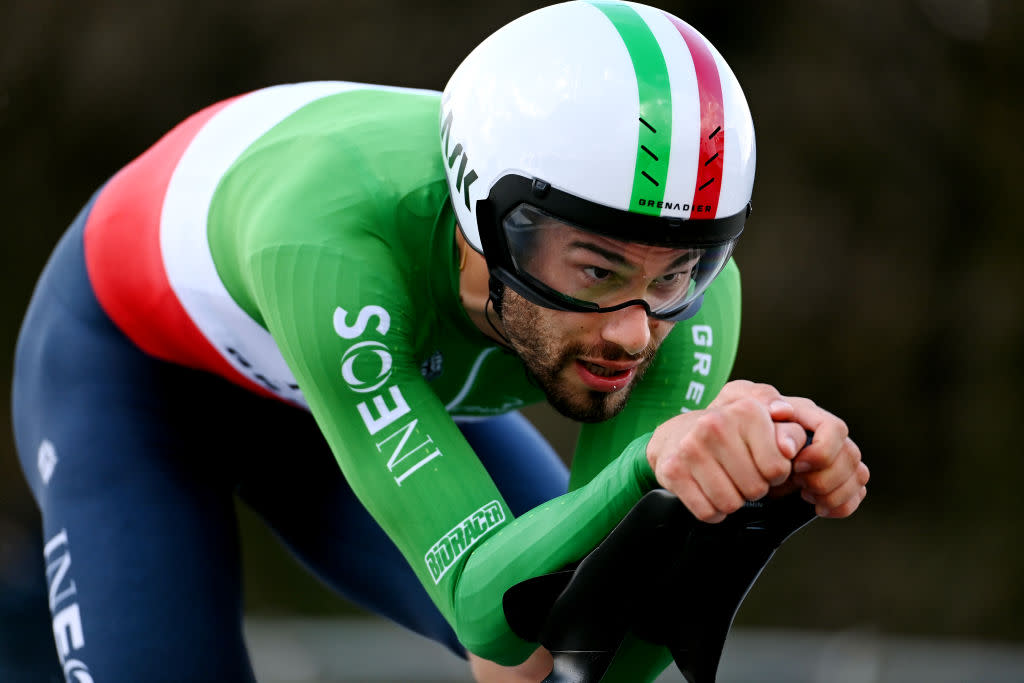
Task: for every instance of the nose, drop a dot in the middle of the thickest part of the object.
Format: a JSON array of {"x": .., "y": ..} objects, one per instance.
[{"x": 629, "y": 328}]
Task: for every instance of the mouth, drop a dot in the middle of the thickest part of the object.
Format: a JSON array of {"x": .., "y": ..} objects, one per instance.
[{"x": 606, "y": 376}]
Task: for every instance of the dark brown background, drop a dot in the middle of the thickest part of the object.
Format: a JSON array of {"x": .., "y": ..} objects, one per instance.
[{"x": 880, "y": 265}]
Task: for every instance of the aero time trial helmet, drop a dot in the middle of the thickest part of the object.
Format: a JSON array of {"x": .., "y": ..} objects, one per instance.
[{"x": 607, "y": 120}]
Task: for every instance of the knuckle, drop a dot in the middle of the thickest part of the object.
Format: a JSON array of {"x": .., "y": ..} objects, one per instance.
[
  {"x": 740, "y": 385},
  {"x": 723, "y": 495},
  {"x": 847, "y": 508},
  {"x": 766, "y": 391},
  {"x": 813, "y": 482},
  {"x": 836, "y": 498},
  {"x": 699, "y": 507},
  {"x": 710, "y": 425},
  {"x": 750, "y": 403},
  {"x": 748, "y": 407},
  {"x": 756, "y": 491},
  {"x": 731, "y": 389},
  {"x": 777, "y": 468},
  {"x": 671, "y": 469},
  {"x": 853, "y": 449},
  {"x": 802, "y": 402},
  {"x": 850, "y": 505},
  {"x": 713, "y": 518},
  {"x": 731, "y": 504},
  {"x": 722, "y": 492}
]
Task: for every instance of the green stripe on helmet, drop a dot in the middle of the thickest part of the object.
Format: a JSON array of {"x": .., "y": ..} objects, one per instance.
[{"x": 655, "y": 120}]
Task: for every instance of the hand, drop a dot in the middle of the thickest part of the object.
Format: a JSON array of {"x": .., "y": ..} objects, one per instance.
[
  {"x": 735, "y": 450},
  {"x": 829, "y": 471},
  {"x": 535, "y": 669}
]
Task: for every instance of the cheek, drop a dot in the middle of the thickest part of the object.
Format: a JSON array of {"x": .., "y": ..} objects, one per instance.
[
  {"x": 659, "y": 330},
  {"x": 562, "y": 326}
]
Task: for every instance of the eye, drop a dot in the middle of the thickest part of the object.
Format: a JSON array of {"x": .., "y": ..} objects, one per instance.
[
  {"x": 669, "y": 279},
  {"x": 597, "y": 272}
]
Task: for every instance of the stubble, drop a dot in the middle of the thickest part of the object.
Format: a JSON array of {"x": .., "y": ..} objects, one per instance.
[{"x": 548, "y": 360}]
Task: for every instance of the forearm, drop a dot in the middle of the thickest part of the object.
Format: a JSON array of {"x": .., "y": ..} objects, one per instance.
[{"x": 543, "y": 540}]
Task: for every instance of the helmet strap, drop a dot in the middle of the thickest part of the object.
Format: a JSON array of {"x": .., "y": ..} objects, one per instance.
[
  {"x": 496, "y": 291},
  {"x": 494, "y": 296}
]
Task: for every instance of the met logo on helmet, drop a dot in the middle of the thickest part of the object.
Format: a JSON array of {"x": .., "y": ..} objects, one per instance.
[
  {"x": 675, "y": 206},
  {"x": 456, "y": 153}
]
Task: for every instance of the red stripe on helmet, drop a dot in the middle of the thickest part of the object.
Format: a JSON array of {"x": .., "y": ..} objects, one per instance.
[{"x": 710, "y": 162}]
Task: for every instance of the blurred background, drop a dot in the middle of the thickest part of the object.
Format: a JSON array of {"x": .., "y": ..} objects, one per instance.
[{"x": 879, "y": 263}]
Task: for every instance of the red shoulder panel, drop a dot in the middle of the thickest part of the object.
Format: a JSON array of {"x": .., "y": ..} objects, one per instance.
[{"x": 122, "y": 255}]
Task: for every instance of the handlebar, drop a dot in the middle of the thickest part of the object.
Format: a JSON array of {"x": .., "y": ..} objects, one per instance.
[{"x": 660, "y": 574}]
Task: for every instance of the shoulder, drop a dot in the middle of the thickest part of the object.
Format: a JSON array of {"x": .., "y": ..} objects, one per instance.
[
  {"x": 338, "y": 167},
  {"x": 720, "y": 309},
  {"x": 723, "y": 300},
  {"x": 727, "y": 284}
]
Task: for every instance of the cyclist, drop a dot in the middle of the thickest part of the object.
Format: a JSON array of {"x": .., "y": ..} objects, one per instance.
[{"x": 331, "y": 299}]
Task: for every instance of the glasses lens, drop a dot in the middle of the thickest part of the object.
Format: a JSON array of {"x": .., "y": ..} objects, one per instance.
[{"x": 596, "y": 270}]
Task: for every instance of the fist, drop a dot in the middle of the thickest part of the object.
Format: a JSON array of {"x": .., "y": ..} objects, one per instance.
[{"x": 751, "y": 441}]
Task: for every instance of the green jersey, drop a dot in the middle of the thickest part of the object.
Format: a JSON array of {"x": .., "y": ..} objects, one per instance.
[{"x": 301, "y": 243}]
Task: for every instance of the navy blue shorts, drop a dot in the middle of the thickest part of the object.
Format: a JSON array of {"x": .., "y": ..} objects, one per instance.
[{"x": 136, "y": 464}]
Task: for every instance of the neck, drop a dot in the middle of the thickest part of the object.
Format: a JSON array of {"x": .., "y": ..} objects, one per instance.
[{"x": 474, "y": 290}]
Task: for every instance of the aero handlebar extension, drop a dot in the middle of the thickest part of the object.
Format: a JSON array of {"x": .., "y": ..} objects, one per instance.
[{"x": 661, "y": 575}]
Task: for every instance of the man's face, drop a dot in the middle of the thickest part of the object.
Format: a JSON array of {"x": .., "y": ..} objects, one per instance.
[
  {"x": 586, "y": 363},
  {"x": 597, "y": 271}
]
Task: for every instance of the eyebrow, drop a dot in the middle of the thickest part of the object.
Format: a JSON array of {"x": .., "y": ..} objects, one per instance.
[
  {"x": 601, "y": 251},
  {"x": 684, "y": 258},
  {"x": 618, "y": 258}
]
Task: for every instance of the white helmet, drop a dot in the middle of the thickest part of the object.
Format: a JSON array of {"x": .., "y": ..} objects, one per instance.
[{"x": 611, "y": 118}]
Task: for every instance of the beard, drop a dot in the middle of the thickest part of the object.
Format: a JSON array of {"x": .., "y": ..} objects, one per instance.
[{"x": 531, "y": 331}]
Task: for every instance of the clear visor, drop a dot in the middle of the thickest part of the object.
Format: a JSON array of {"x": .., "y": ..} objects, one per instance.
[{"x": 597, "y": 272}]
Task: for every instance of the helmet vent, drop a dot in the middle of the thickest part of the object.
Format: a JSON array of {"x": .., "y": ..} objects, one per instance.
[{"x": 540, "y": 188}]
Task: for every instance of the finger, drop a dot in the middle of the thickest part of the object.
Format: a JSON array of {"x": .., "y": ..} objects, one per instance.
[
  {"x": 767, "y": 447},
  {"x": 740, "y": 389},
  {"x": 742, "y": 439},
  {"x": 849, "y": 507},
  {"x": 718, "y": 489},
  {"x": 830, "y": 434},
  {"x": 816, "y": 419},
  {"x": 733, "y": 390},
  {"x": 772, "y": 446},
  {"x": 676, "y": 475},
  {"x": 693, "y": 497},
  {"x": 790, "y": 438},
  {"x": 838, "y": 496},
  {"x": 839, "y": 468},
  {"x": 674, "y": 472}
]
